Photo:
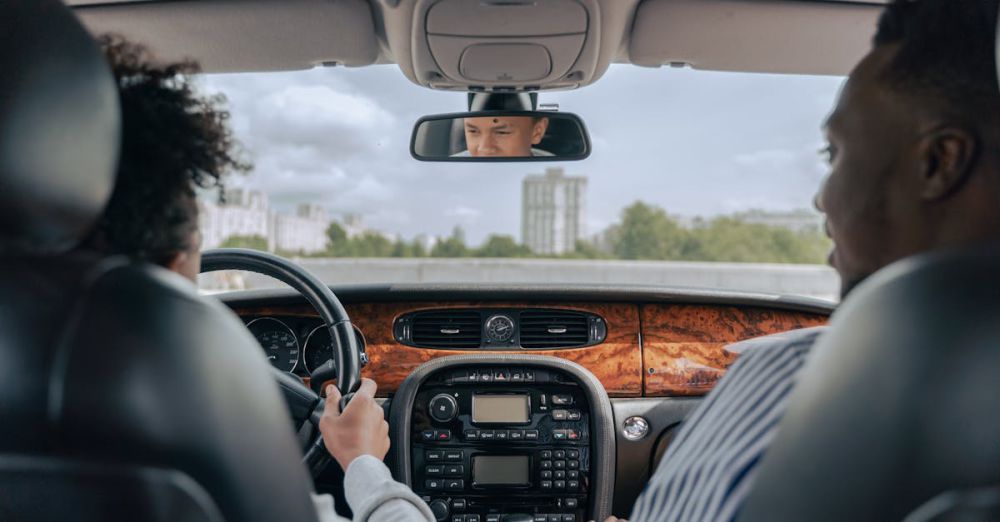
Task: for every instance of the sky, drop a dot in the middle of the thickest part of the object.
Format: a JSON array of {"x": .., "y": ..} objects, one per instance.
[{"x": 693, "y": 142}]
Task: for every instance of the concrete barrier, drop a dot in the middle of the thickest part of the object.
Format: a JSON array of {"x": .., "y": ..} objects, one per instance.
[{"x": 809, "y": 280}]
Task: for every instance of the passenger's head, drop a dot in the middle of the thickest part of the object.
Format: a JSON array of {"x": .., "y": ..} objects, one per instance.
[
  {"x": 915, "y": 139},
  {"x": 504, "y": 136},
  {"x": 173, "y": 141}
]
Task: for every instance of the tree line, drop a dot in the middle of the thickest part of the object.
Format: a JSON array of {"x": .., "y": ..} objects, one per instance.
[{"x": 644, "y": 232}]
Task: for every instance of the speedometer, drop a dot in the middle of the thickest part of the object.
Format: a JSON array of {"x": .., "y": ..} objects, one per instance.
[
  {"x": 319, "y": 347},
  {"x": 278, "y": 341}
]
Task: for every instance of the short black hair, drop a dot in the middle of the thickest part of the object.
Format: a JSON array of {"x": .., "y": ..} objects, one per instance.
[
  {"x": 946, "y": 55},
  {"x": 173, "y": 141}
]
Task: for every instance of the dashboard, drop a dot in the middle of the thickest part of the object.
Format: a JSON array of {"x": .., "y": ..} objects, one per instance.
[{"x": 511, "y": 403}]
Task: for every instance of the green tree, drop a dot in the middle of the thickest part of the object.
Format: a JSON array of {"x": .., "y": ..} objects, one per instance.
[
  {"x": 732, "y": 240},
  {"x": 453, "y": 246},
  {"x": 370, "y": 244},
  {"x": 497, "y": 245},
  {"x": 647, "y": 232},
  {"x": 337, "y": 241},
  {"x": 586, "y": 250},
  {"x": 253, "y": 242}
]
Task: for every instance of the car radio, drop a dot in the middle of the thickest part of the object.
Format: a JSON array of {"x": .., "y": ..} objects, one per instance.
[{"x": 500, "y": 444}]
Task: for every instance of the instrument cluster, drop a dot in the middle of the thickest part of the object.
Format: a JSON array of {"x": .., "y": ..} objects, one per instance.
[{"x": 297, "y": 345}]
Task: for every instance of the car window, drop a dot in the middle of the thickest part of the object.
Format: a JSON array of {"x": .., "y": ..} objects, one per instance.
[{"x": 696, "y": 179}]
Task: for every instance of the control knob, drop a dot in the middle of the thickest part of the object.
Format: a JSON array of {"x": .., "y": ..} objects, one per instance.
[
  {"x": 440, "y": 509},
  {"x": 443, "y": 407}
]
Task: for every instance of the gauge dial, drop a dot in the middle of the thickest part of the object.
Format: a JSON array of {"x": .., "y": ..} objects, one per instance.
[
  {"x": 319, "y": 347},
  {"x": 500, "y": 328},
  {"x": 278, "y": 340}
]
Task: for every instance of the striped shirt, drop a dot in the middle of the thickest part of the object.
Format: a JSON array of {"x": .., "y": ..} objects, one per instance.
[{"x": 709, "y": 468}]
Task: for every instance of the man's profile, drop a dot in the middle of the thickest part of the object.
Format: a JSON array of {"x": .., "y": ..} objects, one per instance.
[{"x": 504, "y": 136}]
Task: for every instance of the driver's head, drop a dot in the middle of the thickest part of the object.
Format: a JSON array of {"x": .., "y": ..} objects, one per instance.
[
  {"x": 914, "y": 141},
  {"x": 172, "y": 142},
  {"x": 504, "y": 136}
]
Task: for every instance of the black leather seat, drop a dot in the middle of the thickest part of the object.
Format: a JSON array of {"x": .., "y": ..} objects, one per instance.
[
  {"x": 123, "y": 395},
  {"x": 899, "y": 403}
]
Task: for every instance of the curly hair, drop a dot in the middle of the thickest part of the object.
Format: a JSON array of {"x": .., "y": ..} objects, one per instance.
[
  {"x": 946, "y": 55},
  {"x": 173, "y": 141}
]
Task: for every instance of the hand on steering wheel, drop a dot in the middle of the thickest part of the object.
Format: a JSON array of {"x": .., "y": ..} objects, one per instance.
[{"x": 360, "y": 429}]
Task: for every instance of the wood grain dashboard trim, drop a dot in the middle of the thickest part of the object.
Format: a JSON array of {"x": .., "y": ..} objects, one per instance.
[
  {"x": 617, "y": 362},
  {"x": 684, "y": 345}
]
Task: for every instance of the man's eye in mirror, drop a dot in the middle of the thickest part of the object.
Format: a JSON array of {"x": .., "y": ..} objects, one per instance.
[{"x": 500, "y": 136}]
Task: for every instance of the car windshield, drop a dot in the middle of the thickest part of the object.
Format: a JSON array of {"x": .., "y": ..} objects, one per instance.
[{"x": 701, "y": 179}]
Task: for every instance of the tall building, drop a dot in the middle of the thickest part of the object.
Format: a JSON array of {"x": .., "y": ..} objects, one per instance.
[
  {"x": 303, "y": 232},
  {"x": 247, "y": 213},
  {"x": 553, "y": 211}
]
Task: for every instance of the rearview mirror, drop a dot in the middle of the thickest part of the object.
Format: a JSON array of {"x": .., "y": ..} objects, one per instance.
[{"x": 500, "y": 136}]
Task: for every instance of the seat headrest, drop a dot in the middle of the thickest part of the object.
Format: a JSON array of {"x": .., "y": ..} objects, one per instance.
[{"x": 59, "y": 128}]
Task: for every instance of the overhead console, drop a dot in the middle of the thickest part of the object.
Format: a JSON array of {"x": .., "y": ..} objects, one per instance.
[
  {"x": 505, "y": 45},
  {"x": 505, "y": 438}
]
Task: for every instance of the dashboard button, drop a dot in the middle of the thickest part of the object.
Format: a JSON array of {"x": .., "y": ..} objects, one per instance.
[
  {"x": 559, "y": 464},
  {"x": 560, "y": 474},
  {"x": 493, "y": 517},
  {"x": 434, "y": 484},
  {"x": 458, "y": 518},
  {"x": 559, "y": 415},
  {"x": 529, "y": 376},
  {"x": 574, "y": 475},
  {"x": 546, "y": 464},
  {"x": 452, "y": 456},
  {"x": 546, "y": 474},
  {"x": 573, "y": 464},
  {"x": 559, "y": 435},
  {"x": 541, "y": 518},
  {"x": 531, "y": 435},
  {"x": 546, "y": 484},
  {"x": 573, "y": 434},
  {"x": 516, "y": 435},
  {"x": 454, "y": 470},
  {"x": 559, "y": 454},
  {"x": 546, "y": 454},
  {"x": 569, "y": 518},
  {"x": 573, "y": 454},
  {"x": 434, "y": 470},
  {"x": 454, "y": 484},
  {"x": 458, "y": 504},
  {"x": 487, "y": 435},
  {"x": 501, "y": 434},
  {"x": 434, "y": 456},
  {"x": 427, "y": 435},
  {"x": 573, "y": 415},
  {"x": 559, "y": 484},
  {"x": 562, "y": 400},
  {"x": 555, "y": 517},
  {"x": 572, "y": 485},
  {"x": 471, "y": 434},
  {"x": 570, "y": 503},
  {"x": 471, "y": 518},
  {"x": 486, "y": 377},
  {"x": 442, "y": 435}
]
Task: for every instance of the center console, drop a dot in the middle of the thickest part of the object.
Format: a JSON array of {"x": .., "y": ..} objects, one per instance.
[{"x": 512, "y": 440}]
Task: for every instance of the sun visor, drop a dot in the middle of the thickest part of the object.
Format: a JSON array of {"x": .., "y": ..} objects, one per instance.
[
  {"x": 768, "y": 36},
  {"x": 245, "y": 35}
]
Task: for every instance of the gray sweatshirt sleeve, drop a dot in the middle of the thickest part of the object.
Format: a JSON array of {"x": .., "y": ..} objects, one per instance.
[{"x": 374, "y": 496}]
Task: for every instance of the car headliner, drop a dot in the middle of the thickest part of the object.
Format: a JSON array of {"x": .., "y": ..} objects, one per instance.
[{"x": 771, "y": 36}]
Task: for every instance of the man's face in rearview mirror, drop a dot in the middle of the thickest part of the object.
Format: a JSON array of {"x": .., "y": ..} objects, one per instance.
[{"x": 505, "y": 136}]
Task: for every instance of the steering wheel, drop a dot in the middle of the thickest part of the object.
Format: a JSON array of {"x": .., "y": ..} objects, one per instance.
[{"x": 304, "y": 403}]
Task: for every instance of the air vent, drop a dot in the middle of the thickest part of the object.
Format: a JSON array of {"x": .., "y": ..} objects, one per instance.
[
  {"x": 555, "y": 329},
  {"x": 446, "y": 329}
]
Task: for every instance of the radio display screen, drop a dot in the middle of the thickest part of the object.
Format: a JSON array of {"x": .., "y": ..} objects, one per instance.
[
  {"x": 511, "y": 409},
  {"x": 500, "y": 470}
]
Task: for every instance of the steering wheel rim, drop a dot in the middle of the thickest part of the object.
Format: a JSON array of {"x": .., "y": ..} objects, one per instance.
[{"x": 334, "y": 315}]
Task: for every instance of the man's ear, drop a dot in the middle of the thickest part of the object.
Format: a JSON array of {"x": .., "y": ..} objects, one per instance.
[
  {"x": 948, "y": 157},
  {"x": 538, "y": 130}
]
